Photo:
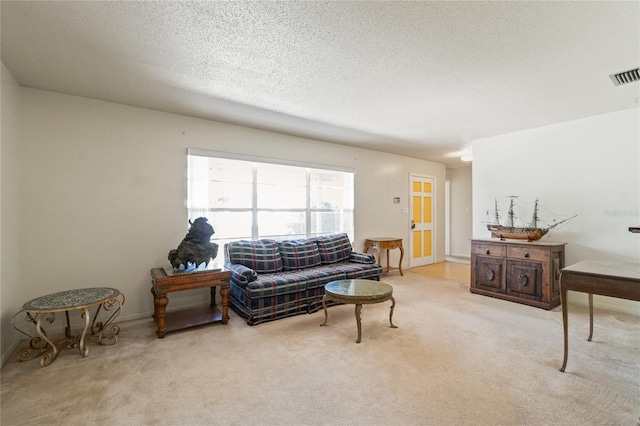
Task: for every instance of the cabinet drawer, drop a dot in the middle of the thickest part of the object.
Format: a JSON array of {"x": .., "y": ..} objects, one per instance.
[
  {"x": 488, "y": 250},
  {"x": 528, "y": 253}
]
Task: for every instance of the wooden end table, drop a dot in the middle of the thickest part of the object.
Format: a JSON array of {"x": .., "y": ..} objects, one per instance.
[
  {"x": 166, "y": 281},
  {"x": 358, "y": 292},
  {"x": 385, "y": 244}
]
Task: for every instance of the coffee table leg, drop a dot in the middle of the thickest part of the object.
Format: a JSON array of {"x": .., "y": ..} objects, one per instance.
[
  {"x": 324, "y": 305},
  {"x": 393, "y": 305},
  {"x": 358, "y": 309}
]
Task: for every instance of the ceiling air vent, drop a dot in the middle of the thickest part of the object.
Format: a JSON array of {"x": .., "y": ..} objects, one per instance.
[{"x": 626, "y": 77}]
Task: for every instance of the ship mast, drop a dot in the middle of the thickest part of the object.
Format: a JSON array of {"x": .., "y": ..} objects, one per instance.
[
  {"x": 534, "y": 221},
  {"x": 511, "y": 215},
  {"x": 496, "y": 212}
]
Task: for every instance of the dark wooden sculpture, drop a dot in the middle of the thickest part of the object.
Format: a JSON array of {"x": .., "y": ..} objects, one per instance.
[{"x": 196, "y": 247}]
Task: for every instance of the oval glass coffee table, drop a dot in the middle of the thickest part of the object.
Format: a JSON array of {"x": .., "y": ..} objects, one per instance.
[{"x": 358, "y": 292}]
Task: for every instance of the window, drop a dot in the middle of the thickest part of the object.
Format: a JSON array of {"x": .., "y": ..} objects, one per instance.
[{"x": 246, "y": 199}]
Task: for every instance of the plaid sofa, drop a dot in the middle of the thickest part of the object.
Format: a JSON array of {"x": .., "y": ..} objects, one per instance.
[{"x": 277, "y": 279}]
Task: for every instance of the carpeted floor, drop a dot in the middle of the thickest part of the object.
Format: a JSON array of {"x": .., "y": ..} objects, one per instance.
[{"x": 456, "y": 359}]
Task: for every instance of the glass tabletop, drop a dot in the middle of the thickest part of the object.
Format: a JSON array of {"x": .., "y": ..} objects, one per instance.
[
  {"x": 71, "y": 299},
  {"x": 359, "y": 289}
]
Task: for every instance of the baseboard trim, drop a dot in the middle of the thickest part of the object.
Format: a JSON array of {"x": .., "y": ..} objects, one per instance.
[{"x": 459, "y": 259}]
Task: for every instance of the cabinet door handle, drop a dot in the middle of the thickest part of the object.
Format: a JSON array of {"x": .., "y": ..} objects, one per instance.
[
  {"x": 523, "y": 280},
  {"x": 488, "y": 251},
  {"x": 526, "y": 254}
]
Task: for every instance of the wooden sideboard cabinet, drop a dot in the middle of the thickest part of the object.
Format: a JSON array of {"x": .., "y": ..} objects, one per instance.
[{"x": 519, "y": 271}]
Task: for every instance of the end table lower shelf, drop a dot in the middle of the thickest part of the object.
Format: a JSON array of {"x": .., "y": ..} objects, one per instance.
[
  {"x": 166, "y": 281},
  {"x": 193, "y": 317}
]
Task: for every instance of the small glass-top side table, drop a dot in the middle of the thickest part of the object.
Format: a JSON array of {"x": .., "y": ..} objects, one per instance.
[{"x": 42, "y": 310}]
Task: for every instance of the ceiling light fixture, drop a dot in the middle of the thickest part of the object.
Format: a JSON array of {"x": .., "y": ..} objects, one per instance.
[{"x": 467, "y": 158}]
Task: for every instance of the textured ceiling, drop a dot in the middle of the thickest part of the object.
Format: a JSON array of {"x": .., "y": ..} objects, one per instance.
[{"x": 421, "y": 79}]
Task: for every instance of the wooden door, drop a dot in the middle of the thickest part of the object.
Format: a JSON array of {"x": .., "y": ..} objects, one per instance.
[{"x": 422, "y": 239}]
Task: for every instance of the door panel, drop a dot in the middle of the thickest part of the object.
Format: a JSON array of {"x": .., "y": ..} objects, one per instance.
[
  {"x": 427, "y": 209},
  {"x": 427, "y": 242},
  {"x": 417, "y": 244}
]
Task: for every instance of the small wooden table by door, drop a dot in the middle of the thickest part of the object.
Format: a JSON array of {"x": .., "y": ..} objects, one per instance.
[
  {"x": 385, "y": 244},
  {"x": 605, "y": 278},
  {"x": 164, "y": 282}
]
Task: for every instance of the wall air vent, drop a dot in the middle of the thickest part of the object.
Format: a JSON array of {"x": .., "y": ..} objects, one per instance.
[{"x": 626, "y": 77}]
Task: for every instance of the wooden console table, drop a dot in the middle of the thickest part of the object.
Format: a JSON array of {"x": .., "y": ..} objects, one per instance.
[
  {"x": 606, "y": 278},
  {"x": 167, "y": 281},
  {"x": 385, "y": 244}
]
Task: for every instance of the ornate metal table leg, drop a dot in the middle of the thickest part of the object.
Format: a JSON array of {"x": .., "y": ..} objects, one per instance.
[
  {"x": 67, "y": 329},
  {"x": 107, "y": 334},
  {"x": 84, "y": 349},
  {"x": 37, "y": 345},
  {"x": 393, "y": 305},
  {"x": 50, "y": 355},
  {"x": 358, "y": 309},
  {"x": 324, "y": 305}
]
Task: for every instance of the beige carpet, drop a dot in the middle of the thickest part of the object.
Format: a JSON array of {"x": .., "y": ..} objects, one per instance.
[{"x": 456, "y": 359}]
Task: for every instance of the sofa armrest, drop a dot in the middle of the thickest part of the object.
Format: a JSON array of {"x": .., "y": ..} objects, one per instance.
[
  {"x": 365, "y": 258},
  {"x": 240, "y": 274}
]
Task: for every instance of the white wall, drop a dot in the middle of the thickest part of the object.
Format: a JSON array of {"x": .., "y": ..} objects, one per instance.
[
  {"x": 10, "y": 282},
  {"x": 589, "y": 167},
  {"x": 461, "y": 208},
  {"x": 103, "y": 192}
]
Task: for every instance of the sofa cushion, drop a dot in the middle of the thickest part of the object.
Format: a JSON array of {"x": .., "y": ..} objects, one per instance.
[
  {"x": 299, "y": 254},
  {"x": 334, "y": 248},
  {"x": 262, "y": 256}
]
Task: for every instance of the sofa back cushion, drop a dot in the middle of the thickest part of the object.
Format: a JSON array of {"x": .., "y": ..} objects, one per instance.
[
  {"x": 334, "y": 248},
  {"x": 299, "y": 254},
  {"x": 262, "y": 256}
]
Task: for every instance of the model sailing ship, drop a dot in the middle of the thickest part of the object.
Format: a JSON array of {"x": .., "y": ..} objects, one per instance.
[{"x": 533, "y": 232}]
